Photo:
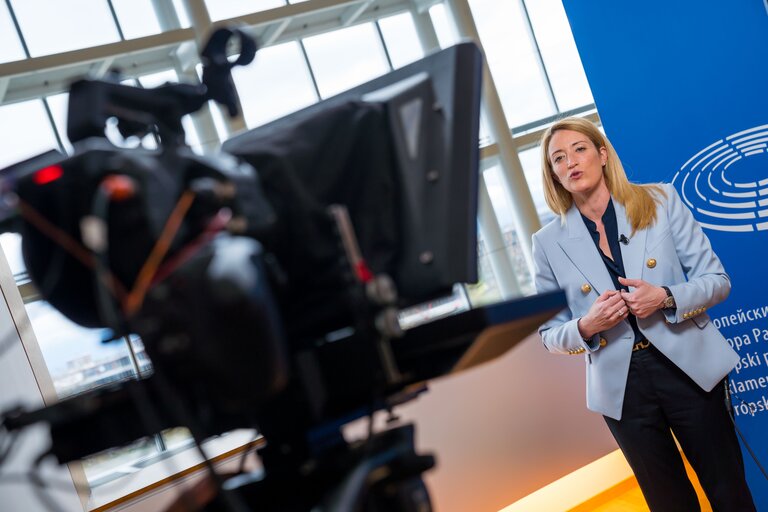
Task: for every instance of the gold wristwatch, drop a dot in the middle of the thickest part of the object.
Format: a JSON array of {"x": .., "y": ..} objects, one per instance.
[{"x": 669, "y": 302}]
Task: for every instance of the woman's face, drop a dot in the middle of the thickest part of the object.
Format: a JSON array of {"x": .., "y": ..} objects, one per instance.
[{"x": 577, "y": 163}]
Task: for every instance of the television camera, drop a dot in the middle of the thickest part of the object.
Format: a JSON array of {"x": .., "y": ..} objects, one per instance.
[{"x": 265, "y": 281}]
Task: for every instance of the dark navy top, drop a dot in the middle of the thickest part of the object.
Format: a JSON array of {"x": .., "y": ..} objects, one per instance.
[{"x": 615, "y": 266}]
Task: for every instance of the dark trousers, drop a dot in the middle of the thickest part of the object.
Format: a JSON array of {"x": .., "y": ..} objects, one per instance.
[{"x": 660, "y": 397}]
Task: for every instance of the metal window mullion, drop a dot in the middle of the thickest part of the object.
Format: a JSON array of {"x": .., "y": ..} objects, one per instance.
[
  {"x": 539, "y": 56},
  {"x": 158, "y": 437},
  {"x": 18, "y": 28},
  {"x": 55, "y": 129},
  {"x": 116, "y": 20},
  {"x": 132, "y": 356},
  {"x": 498, "y": 256},
  {"x": 383, "y": 44},
  {"x": 309, "y": 68}
]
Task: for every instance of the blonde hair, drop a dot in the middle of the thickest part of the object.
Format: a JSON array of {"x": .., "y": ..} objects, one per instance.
[{"x": 639, "y": 201}]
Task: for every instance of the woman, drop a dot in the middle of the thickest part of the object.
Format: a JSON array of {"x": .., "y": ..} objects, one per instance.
[{"x": 639, "y": 275}]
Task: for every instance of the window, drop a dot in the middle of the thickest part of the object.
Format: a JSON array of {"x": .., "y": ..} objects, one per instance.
[
  {"x": 446, "y": 33},
  {"x": 58, "y": 105},
  {"x": 137, "y": 18},
  {"x": 558, "y": 50},
  {"x": 505, "y": 214},
  {"x": 223, "y": 9},
  {"x": 24, "y": 132},
  {"x": 11, "y": 245},
  {"x": 78, "y": 359},
  {"x": 275, "y": 84},
  {"x": 401, "y": 39},
  {"x": 345, "y": 58},
  {"x": 513, "y": 60},
  {"x": 10, "y": 46},
  {"x": 64, "y": 18},
  {"x": 486, "y": 290},
  {"x": 530, "y": 159}
]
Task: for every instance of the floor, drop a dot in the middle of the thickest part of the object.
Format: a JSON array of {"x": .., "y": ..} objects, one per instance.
[{"x": 631, "y": 500}]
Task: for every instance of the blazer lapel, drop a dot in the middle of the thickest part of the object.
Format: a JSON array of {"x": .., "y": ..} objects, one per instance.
[
  {"x": 580, "y": 249},
  {"x": 632, "y": 253}
]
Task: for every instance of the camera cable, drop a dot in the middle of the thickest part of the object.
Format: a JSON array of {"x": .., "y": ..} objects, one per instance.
[
  {"x": 231, "y": 500},
  {"x": 148, "y": 270},
  {"x": 95, "y": 235},
  {"x": 40, "y": 486},
  {"x": 729, "y": 408}
]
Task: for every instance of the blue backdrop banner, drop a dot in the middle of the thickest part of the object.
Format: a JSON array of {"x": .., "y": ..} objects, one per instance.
[{"x": 682, "y": 90}]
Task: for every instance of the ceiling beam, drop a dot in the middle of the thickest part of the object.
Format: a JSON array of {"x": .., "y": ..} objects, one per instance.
[
  {"x": 3, "y": 88},
  {"x": 353, "y": 12},
  {"x": 51, "y": 74},
  {"x": 274, "y": 31},
  {"x": 95, "y": 53}
]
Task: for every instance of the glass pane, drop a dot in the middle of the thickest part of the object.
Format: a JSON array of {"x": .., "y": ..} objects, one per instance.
[
  {"x": 153, "y": 80},
  {"x": 114, "y": 463},
  {"x": 486, "y": 290},
  {"x": 530, "y": 159},
  {"x": 438, "y": 308},
  {"x": 76, "y": 357},
  {"x": 345, "y": 58},
  {"x": 24, "y": 132},
  {"x": 10, "y": 46},
  {"x": 446, "y": 31},
  {"x": 223, "y": 9},
  {"x": 275, "y": 84},
  {"x": 177, "y": 438},
  {"x": 513, "y": 60},
  {"x": 558, "y": 50},
  {"x": 485, "y": 131},
  {"x": 401, "y": 39},
  {"x": 11, "y": 245},
  {"x": 137, "y": 18},
  {"x": 502, "y": 206},
  {"x": 76, "y": 24}
]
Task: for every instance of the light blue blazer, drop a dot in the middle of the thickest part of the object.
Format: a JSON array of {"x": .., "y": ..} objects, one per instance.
[{"x": 565, "y": 257}]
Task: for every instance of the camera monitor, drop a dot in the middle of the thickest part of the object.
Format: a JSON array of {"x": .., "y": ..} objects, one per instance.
[{"x": 420, "y": 224}]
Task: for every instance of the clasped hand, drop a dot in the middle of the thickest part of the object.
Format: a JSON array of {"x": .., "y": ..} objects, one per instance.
[
  {"x": 645, "y": 299},
  {"x": 608, "y": 310},
  {"x": 613, "y": 306}
]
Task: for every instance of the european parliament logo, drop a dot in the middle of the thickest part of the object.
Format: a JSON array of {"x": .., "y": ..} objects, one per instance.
[{"x": 726, "y": 183}]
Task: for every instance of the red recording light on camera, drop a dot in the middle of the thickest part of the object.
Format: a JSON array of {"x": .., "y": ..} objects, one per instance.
[{"x": 48, "y": 174}]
